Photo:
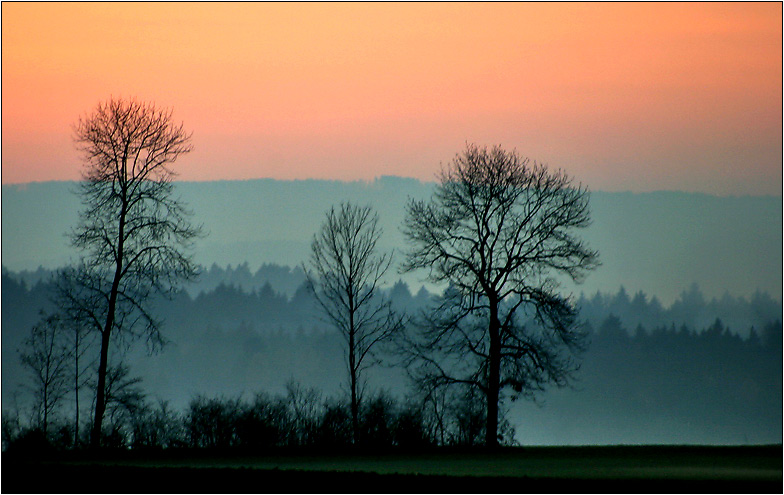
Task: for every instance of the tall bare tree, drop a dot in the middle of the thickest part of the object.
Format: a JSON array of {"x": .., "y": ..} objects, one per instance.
[
  {"x": 134, "y": 232},
  {"x": 498, "y": 230},
  {"x": 345, "y": 276},
  {"x": 47, "y": 356},
  {"x": 80, "y": 311}
]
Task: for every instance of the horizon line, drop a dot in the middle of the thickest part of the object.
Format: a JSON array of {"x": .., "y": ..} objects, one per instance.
[{"x": 23, "y": 185}]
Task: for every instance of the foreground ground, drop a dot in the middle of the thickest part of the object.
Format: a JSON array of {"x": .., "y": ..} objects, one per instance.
[{"x": 645, "y": 469}]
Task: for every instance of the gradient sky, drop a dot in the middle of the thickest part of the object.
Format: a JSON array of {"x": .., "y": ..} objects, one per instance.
[{"x": 631, "y": 96}]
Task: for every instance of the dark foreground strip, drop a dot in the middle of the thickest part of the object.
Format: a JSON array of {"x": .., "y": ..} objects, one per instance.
[{"x": 63, "y": 478}]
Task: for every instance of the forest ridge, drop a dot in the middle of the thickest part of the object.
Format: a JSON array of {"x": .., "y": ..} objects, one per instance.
[
  {"x": 657, "y": 242},
  {"x": 235, "y": 315}
]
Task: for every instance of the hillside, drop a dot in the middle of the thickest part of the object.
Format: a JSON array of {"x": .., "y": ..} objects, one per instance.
[{"x": 659, "y": 242}]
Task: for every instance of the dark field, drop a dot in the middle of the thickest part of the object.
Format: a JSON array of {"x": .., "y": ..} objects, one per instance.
[{"x": 649, "y": 469}]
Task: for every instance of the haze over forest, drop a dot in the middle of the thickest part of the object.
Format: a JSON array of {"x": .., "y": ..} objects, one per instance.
[
  {"x": 659, "y": 242},
  {"x": 601, "y": 264},
  {"x": 684, "y": 314}
]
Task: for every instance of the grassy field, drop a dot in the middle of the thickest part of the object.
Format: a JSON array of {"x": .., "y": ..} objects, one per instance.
[{"x": 642, "y": 469}]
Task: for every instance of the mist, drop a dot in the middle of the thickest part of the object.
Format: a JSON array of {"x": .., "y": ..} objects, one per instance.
[
  {"x": 697, "y": 371},
  {"x": 659, "y": 242},
  {"x": 684, "y": 314}
]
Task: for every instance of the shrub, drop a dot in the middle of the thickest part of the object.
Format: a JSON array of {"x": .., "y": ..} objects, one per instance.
[
  {"x": 212, "y": 423},
  {"x": 265, "y": 423}
]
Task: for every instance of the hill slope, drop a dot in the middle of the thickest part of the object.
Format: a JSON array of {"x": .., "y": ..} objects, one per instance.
[{"x": 658, "y": 242}]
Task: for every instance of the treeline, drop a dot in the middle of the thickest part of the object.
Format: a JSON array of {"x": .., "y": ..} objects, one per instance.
[
  {"x": 235, "y": 299},
  {"x": 691, "y": 309},
  {"x": 673, "y": 384},
  {"x": 226, "y": 379},
  {"x": 284, "y": 279},
  {"x": 275, "y": 297},
  {"x": 666, "y": 384}
]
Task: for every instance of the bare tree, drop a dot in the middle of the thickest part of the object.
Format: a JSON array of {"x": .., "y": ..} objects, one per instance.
[
  {"x": 134, "y": 232},
  {"x": 345, "y": 277},
  {"x": 304, "y": 406},
  {"x": 498, "y": 230},
  {"x": 47, "y": 355},
  {"x": 79, "y": 310},
  {"x": 124, "y": 402}
]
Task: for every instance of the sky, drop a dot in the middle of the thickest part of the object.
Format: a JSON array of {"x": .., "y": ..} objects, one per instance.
[{"x": 623, "y": 96}]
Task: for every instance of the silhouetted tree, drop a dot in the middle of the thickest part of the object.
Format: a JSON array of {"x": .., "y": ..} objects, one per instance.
[
  {"x": 411, "y": 428},
  {"x": 497, "y": 230},
  {"x": 264, "y": 423},
  {"x": 11, "y": 427},
  {"x": 304, "y": 407},
  {"x": 134, "y": 232},
  {"x": 125, "y": 403},
  {"x": 47, "y": 356},
  {"x": 212, "y": 423},
  {"x": 157, "y": 426},
  {"x": 335, "y": 428},
  {"x": 377, "y": 421},
  {"x": 346, "y": 270},
  {"x": 78, "y": 310},
  {"x": 612, "y": 329}
]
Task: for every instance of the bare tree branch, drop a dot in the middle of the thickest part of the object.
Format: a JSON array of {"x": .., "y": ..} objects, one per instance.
[
  {"x": 345, "y": 274},
  {"x": 496, "y": 228},
  {"x": 134, "y": 233}
]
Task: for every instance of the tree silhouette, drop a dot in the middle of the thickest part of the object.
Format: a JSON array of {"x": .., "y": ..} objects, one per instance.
[
  {"x": 497, "y": 230},
  {"x": 80, "y": 312},
  {"x": 46, "y": 354},
  {"x": 345, "y": 277},
  {"x": 133, "y": 231},
  {"x": 125, "y": 400}
]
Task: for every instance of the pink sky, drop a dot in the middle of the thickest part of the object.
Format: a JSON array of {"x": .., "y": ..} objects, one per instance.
[{"x": 624, "y": 96}]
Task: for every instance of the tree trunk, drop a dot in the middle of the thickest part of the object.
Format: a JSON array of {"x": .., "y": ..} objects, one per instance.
[
  {"x": 354, "y": 410},
  {"x": 354, "y": 395},
  {"x": 76, "y": 423},
  {"x": 494, "y": 378},
  {"x": 76, "y": 389},
  {"x": 100, "y": 397},
  {"x": 47, "y": 384},
  {"x": 46, "y": 412}
]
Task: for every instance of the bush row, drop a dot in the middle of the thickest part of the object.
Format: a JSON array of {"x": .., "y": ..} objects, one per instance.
[{"x": 303, "y": 417}]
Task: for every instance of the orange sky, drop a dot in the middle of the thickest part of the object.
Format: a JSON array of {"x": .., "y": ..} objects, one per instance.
[{"x": 647, "y": 96}]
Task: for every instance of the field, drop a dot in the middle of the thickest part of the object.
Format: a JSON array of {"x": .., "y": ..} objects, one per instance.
[{"x": 651, "y": 469}]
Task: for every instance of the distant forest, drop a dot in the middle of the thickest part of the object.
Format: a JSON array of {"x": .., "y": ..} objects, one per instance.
[
  {"x": 274, "y": 297},
  {"x": 695, "y": 371}
]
